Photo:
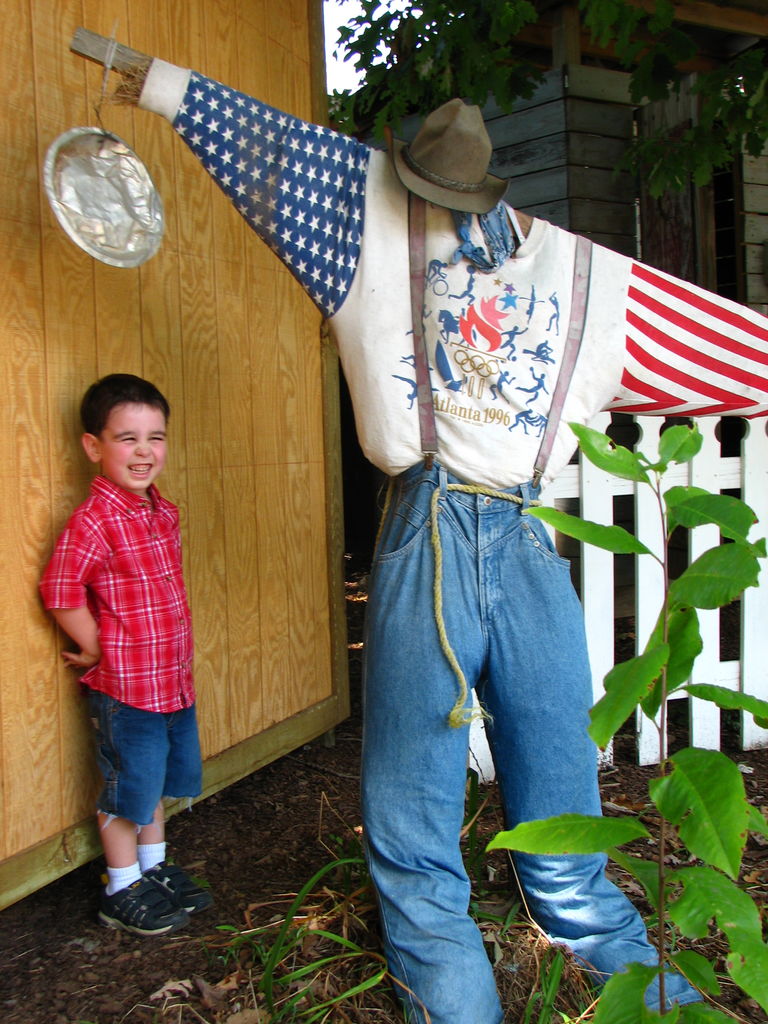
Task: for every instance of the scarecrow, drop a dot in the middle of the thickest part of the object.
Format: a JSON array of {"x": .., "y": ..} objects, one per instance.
[{"x": 450, "y": 371}]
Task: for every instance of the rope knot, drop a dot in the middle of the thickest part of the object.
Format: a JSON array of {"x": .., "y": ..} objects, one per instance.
[{"x": 460, "y": 715}]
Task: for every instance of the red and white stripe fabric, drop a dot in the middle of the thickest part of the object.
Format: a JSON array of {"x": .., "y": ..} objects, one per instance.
[{"x": 690, "y": 352}]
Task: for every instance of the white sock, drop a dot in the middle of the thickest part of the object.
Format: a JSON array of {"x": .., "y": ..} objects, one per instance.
[
  {"x": 121, "y": 878},
  {"x": 150, "y": 854}
]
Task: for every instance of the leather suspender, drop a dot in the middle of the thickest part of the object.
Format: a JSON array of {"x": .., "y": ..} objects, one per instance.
[
  {"x": 579, "y": 294},
  {"x": 582, "y": 266},
  {"x": 417, "y": 214}
]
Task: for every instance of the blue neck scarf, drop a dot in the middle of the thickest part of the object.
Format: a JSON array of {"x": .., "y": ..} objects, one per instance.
[{"x": 499, "y": 238}]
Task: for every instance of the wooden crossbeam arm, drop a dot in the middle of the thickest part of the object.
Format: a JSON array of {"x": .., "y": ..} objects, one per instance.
[
  {"x": 94, "y": 47},
  {"x": 723, "y": 17},
  {"x": 540, "y": 37}
]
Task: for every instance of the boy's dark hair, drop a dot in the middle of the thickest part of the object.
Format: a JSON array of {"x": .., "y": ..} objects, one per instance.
[{"x": 113, "y": 390}]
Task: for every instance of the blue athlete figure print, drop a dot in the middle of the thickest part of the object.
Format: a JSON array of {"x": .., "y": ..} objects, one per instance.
[
  {"x": 409, "y": 361},
  {"x": 554, "y": 320},
  {"x": 449, "y": 325},
  {"x": 497, "y": 389},
  {"x": 532, "y": 303},
  {"x": 541, "y": 354},
  {"x": 509, "y": 339},
  {"x": 539, "y": 385},
  {"x": 413, "y": 394},
  {"x": 469, "y": 291},
  {"x": 436, "y": 279},
  {"x": 528, "y": 418}
]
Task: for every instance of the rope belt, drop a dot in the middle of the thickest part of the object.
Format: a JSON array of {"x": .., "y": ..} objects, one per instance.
[{"x": 460, "y": 714}]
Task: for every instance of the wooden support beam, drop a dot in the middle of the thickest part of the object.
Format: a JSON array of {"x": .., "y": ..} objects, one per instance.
[
  {"x": 566, "y": 37},
  {"x": 726, "y": 18},
  {"x": 96, "y": 48},
  {"x": 539, "y": 37}
]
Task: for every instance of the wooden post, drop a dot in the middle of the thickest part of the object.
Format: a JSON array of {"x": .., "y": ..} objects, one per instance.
[
  {"x": 97, "y": 48},
  {"x": 566, "y": 37}
]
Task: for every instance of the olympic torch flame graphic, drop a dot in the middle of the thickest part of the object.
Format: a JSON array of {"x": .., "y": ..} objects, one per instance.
[{"x": 482, "y": 332}]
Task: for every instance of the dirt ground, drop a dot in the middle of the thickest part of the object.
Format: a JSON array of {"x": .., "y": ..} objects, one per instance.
[{"x": 263, "y": 837}]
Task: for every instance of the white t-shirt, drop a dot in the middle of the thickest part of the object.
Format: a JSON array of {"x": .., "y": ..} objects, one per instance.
[{"x": 334, "y": 211}]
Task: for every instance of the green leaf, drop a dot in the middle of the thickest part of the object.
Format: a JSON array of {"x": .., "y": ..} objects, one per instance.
[
  {"x": 674, "y": 495},
  {"x": 716, "y": 578},
  {"x": 604, "y": 454},
  {"x": 748, "y": 966},
  {"x": 622, "y": 1000},
  {"x": 757, "y": 821},
  {"x": 568, "y": 833},
  {"x": 697, "y": 969},
  {"x": 704, "y": 796},
  {"x": 684, "y": 639},
  {"x": 611, "y": 538},
  {"x": 319, "y": 1010},
  {"x": 282, "y": 940},
  {"x": 733, "y": 517},
  {"x": 709, "y": 896},
  {"x": 625, "y": 686},
  {"x": 701, "y": 1013},
  {"x": 678, "y": 444},
  {"x": 645, "y": 871},
  {"x": 733, "y": 701}
]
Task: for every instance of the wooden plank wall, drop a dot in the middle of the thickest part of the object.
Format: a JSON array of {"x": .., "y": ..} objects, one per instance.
[
  {"x": 560, "y": 150},
  {"x": 754, "y": 228},
  {"x": 222, "y": 329}
]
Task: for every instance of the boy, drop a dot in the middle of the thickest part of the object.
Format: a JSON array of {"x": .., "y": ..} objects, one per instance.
[{"x": 115, "y": 586}]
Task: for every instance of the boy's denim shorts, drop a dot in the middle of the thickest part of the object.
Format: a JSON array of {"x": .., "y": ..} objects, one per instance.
[{"x": 143, "y": 756}]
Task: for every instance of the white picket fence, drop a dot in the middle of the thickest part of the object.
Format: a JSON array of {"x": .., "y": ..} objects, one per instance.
[{"x": 590, "y": 493}]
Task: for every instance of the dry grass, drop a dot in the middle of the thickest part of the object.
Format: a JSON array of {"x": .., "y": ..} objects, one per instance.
[{"x": 316, "y": 956}]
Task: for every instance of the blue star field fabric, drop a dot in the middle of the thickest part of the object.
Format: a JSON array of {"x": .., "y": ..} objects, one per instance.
[{"x": 299, "y": 186}]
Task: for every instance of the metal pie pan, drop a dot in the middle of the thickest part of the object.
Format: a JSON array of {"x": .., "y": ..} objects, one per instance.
[{"x": 103, "y": 196}]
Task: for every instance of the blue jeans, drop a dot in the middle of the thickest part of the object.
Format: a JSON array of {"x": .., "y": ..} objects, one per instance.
[
  {"x": 515, "y": 625},
  {"x": 143, "y": 756}
]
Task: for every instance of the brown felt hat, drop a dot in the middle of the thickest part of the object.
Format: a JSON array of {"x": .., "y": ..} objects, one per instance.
[{"x": 447, "y": 162}]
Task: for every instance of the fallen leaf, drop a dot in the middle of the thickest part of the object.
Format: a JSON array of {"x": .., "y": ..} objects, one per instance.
[
  {"x": 171, "y": 989},
  {"x": 213, "y": 996},
  {"x": 245, "y": 1017},
  {"x": 621, "y": 800}
]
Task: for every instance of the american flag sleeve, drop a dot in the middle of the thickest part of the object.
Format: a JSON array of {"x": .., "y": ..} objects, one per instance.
[{"x": 299, "y": 186}]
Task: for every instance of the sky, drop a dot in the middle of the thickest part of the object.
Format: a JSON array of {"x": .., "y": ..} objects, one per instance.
[{"x": 340, "y": 75}]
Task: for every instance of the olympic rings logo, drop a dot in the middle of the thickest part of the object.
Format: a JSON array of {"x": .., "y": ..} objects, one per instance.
[{"x": 474, "y": 362}]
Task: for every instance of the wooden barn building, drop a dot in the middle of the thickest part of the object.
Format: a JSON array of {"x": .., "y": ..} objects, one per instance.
[{"x": 237, "y": 348}]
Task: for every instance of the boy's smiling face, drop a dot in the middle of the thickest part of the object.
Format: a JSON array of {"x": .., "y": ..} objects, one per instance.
[{"x": 131, "y": 448}]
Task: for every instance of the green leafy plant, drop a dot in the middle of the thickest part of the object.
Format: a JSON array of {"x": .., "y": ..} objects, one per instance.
[
  {"x": 698, "y": 793},
  {"x": 306, "y": 964},
  {"x": 733, "y": 107},
  {"x": 541, "y": 1003},
  {"x": 416, "y": 56},
  {"x": 475, "y": 860},
  {"x": 319, "y": 958}
]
